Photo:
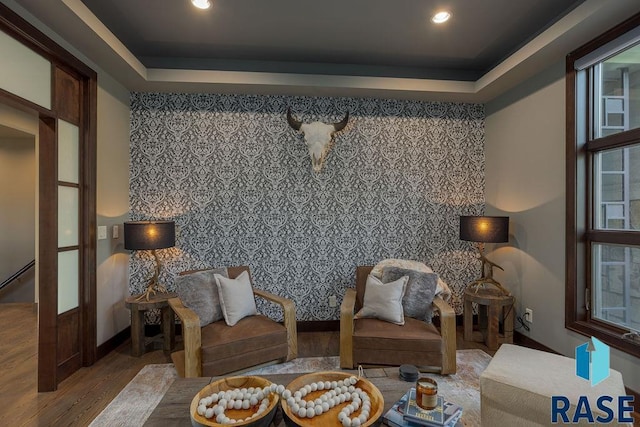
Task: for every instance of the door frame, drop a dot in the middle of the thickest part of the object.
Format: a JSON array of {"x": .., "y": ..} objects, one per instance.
[{"x": 51, "y": 336}]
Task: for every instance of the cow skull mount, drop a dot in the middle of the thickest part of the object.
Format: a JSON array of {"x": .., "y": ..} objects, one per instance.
[{"x": 317, "y": 136}]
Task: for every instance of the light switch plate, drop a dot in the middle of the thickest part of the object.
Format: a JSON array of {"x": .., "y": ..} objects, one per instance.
[
  {"x": 102, "y": 232},
  {"x": 116, "y": 232}
]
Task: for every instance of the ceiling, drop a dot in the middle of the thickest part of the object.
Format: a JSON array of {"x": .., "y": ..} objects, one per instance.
[
  {"x": 391, "y": 38},
  {"x": 383, "y": 48}
]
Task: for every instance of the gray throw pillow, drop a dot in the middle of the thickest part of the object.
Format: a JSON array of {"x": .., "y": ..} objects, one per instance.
[
  {"x": 421, "y": 289},
  {"x": 198, "y": 292}
]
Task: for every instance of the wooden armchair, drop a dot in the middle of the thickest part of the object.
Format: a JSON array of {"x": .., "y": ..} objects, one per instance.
[
  {"x": 217, "y": 349},
  {"x": 376, "y": 342}
]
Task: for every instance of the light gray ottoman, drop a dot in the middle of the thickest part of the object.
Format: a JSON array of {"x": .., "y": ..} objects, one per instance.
[{"x": 517, "y": 386}]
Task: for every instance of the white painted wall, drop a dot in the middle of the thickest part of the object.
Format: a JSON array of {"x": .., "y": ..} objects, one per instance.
[
  {"x": 26, "y": 209},
  {"x": 112, "y": 282},
  {"x": 17, "y": 215},
  {"x": 525, "y": 179}
]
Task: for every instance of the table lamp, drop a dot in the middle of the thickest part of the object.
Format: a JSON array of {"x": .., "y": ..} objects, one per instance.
[
  {"x": 150, "y": 235},
  {"x": 481, "y": 230}
]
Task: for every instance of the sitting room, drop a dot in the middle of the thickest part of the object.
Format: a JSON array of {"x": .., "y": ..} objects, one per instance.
[{"x": 430, "y": 196}]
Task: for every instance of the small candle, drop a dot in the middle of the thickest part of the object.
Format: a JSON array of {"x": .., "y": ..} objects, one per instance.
[{"x": 426, "y": 393}]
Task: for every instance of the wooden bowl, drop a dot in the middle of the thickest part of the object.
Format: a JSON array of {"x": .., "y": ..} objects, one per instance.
[
  {"x": 330, "y": 419},
  {"x": 229, "y": 384}
]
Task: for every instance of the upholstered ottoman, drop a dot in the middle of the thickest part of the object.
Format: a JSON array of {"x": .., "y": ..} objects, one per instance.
[{"x": 517, "y": 386}]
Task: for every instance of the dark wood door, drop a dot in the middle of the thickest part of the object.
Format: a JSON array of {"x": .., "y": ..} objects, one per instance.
[{"x": 66, "y": 206}]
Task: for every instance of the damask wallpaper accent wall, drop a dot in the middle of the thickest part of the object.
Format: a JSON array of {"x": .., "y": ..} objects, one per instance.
[{"x": 238, "y": 182}]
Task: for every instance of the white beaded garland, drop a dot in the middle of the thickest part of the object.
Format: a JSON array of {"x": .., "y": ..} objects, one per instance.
[{"x": 336, "y": 393}]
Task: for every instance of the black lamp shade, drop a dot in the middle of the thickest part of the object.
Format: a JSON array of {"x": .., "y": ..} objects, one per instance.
[
  {"x": 146, "y": 235},
  {"x": 484, "y": 229}
]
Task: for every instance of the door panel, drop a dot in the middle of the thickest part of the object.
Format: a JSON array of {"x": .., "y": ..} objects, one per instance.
[{"x": 66, "y": 249}]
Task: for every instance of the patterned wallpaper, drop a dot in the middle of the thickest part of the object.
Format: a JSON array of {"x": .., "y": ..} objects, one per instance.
[{"x": 238, "y": 182}]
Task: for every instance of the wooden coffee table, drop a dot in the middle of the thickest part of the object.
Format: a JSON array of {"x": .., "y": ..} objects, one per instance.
[{"x": 173, "y": 409}]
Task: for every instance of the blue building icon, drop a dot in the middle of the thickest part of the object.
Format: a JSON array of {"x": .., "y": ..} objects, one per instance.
[{"x": 592, "y": 361}]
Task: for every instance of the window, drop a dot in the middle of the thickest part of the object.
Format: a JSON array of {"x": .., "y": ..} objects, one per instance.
[{"x": 603, "y": 187}]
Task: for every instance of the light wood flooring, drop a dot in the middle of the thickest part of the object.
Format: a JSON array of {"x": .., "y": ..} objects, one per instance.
[{"x": 81, "y": 397}]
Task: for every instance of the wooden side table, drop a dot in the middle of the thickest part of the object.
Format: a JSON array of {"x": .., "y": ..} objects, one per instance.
[
  {"x": 167, "y": 321},
  {"x": 493, "y": 306}
]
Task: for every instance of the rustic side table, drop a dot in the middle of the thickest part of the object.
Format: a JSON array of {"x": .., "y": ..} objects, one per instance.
[
  {"x": 493, "y": 307},
  {"x": 157, "y": 301}
]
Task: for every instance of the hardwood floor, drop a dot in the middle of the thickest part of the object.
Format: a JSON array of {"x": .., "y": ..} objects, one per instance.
[{"x": 81, "y": 397}]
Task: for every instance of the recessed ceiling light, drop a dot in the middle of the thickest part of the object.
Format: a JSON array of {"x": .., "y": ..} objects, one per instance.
[
  {"x": 201, "y": 4},
  {"x": 441, "y": 17}
]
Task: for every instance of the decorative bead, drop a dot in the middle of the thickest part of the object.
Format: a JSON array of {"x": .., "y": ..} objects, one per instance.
[
  {"x": 355, "y": 422},
  {"x": 202, "y": 409},
  {"x": 246, "y": 404},
  {"x": 310, "y": 412},
  {"x": 346, "y": 422},
  {"x": 318, "y": 410},
  {"x": 302, "y": 412},
  {"x": 314, "y": 386},
  {"x": 286, "y": 394},
  {"x": 325, "y": 407},
  {"x": 280, "y": 389}
]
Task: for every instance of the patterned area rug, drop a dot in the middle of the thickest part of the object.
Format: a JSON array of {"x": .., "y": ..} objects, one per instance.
[{"x": 139, "y": 398}]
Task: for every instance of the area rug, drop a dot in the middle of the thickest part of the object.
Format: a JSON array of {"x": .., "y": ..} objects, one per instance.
[
  {"x": 133, "y": 405},
  {"x": 139, "y": 398}
]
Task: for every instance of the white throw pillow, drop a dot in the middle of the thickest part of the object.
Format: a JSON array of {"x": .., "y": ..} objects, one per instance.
[
  {"x": 383, "y": 300},
  {"x": 236, "y": 297}
]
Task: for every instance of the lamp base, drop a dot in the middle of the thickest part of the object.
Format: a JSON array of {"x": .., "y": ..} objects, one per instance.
[
  {"x": 488, "y": 281},
  {"x": 153, "y": 281},
  {"x": 152, "y": 289}
]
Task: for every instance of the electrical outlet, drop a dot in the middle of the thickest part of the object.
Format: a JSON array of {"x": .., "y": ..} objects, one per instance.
[
  {"x": 528, "y": 315},
  {"x": 332, "y": 301}
]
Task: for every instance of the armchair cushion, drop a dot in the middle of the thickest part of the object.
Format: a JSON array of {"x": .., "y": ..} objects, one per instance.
[
  {"x": 416, "y": 343},
  {"x": 383, "y": 300},
  {"x": 198, "y": 292},
  {"x": 421, "y": 289},
  {"x": 251, "y": 341},
  {"x": 236, "y": 297}
]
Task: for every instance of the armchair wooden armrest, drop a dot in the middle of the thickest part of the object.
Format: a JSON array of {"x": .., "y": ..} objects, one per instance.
[
  {"x": 346, "y": 329},
  {"x": 448, "y": 332},
  {"x": 289, "y": 310},
  {"x": 191, "y": 337}
]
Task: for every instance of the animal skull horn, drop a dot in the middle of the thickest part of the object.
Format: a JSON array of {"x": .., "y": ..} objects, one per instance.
[{"x": 317, "y": 136}]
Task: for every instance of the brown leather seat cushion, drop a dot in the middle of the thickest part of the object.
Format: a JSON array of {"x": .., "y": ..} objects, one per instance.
[
  {"x": 379, "y": 342},
  {"x": 251, "y": 341}
]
